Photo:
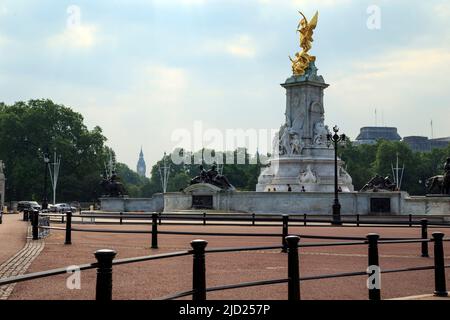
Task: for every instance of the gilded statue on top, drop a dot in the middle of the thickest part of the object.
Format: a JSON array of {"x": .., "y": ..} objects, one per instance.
[{"x": 303, "y": 59}]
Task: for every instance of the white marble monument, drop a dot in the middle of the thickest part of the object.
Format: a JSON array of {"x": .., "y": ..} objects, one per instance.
[{"x": 302, "y": 158}]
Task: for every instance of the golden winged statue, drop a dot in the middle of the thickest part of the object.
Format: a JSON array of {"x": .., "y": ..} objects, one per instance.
[{"x": 303, "y": 59}]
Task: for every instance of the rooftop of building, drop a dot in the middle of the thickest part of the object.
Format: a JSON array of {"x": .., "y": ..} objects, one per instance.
[{"x": 377, "y": 133}]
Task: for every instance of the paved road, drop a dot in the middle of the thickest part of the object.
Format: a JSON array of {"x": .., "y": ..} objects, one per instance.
[
  {"x": 16, "y": 233},
  {"x": 151, "y": 280},
  {"x": 13, "y": 233}
]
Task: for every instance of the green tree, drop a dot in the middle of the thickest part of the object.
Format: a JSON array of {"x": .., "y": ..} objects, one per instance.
[
  {"x": 27, "y": 128},
  {"x": 132, "y": 181}
]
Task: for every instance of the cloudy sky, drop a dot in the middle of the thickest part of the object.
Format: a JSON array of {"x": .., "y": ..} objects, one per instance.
[{"x": 143, "y": 69}]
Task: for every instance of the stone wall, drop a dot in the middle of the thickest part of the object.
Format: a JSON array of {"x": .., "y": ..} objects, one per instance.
[
  {"x": 286, "y": 202},
  {"x": 153, "y": 204},
  {"x": 427, "y": 205}
]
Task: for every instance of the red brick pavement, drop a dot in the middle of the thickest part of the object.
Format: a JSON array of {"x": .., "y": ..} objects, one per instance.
[
  {"x": 13, "y": 233},
  {"x": 18, "y": 264},
  {"x": 154, "y": 279}
]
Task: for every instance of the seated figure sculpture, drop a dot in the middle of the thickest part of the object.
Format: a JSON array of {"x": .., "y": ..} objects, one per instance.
[
  {"x": 440, "y": 184},
  {"x": 213, "y": 177},
  {"x": 378, "y": 183},
  {"x": 112, "y": 185}
]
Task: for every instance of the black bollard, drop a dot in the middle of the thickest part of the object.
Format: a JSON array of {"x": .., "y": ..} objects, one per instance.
[
  {"x": 103, "y": 289},
  {"x": 357, "y": 220},
  {"x": 160, "y": 218},
  {"x": 121, "y": 218},
  {"x": 253, "y": 219},
  {"x": 293, "y": 268},
  {"x": 25, "y": 215},
  {"x": 35, "y": 224},
  {"x": 305, "y": 221},
  {"x": 154, "y": 231},
  {"x": 374, "y": 293},
  {"x": 68, "y": 228},
  {"x": 410, "y": 220},
  {"x": 424, "y": 224},
  {"x": 204, "y": 218},
  {"x": 62, "y": 216},
  {"x": 439, "y": 266},
  {"x": 199, "y": 270},
  {"x": 284, "y": 233}
]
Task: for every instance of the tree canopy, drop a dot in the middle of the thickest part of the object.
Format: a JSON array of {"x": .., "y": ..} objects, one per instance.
[
  {"x": 364, "y": 161},
  {"x": 28, "y": 129}
]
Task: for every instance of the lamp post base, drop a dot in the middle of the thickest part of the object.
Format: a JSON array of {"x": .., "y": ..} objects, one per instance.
[
  {"x": 44, "y": 204},
  {"x": 336, "y": 214}
]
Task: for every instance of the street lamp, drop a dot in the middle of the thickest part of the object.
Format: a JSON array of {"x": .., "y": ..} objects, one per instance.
[
  {"x": 46, "y": 162},
  {"x": 335, "y": 139}
]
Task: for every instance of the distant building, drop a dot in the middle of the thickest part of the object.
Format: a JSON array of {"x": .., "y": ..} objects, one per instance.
[
  {"x": 370, "y": 135},
  {"x": 141, "y": 167},
  {"x": 423, "y": 144}
]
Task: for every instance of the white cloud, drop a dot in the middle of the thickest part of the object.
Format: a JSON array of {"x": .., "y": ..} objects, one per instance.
[
  {"x": 3, "y": 11},
  {"x": 3, "y": 40},
  {"x": 83, "y": 36},
  {"x": 242, "y": 46},
  {"x": 442, "y": 9},
  {"x": 163, "y": 83}
]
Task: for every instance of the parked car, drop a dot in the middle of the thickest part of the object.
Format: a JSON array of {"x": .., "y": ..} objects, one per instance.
[
  {"x": 28, "y": 205},
  {"x": 61, "y": 207}
]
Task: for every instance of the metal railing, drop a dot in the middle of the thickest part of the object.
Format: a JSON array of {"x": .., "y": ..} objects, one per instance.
[
  {"x": 284, "y": 221},
  {"x": 256, "y": 219},
  {"x": 105, "y": 263}
]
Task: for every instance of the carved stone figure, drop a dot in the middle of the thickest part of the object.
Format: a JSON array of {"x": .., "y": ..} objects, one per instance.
[
  {"x": 308, "y": 176},
  {"x": 320, "y": 132},
  {"x": 344, "y": 176},
  {"x": 285, "y": 142},
  {"x": 296, "y": 145}
]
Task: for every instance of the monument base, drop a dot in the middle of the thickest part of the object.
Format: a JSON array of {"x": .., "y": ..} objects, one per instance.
[{"x": 313, "y": 171}]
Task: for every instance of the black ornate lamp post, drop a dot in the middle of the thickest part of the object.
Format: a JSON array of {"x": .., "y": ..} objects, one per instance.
[
  {"x": 335, "y": 139},
  {"x": 46, "y": 161},
  {"x": 46, "y": 157}
]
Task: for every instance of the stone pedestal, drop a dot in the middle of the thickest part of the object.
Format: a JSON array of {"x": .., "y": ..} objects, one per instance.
[{"x": 301, "y": 156}]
